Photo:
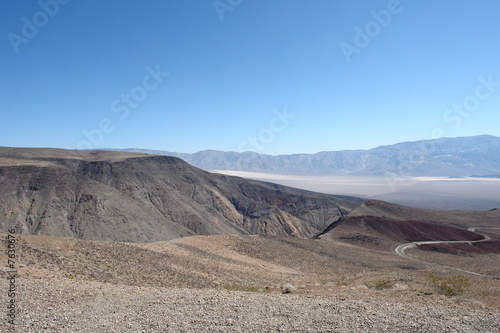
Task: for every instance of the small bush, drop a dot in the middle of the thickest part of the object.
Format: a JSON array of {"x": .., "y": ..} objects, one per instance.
[
  {"x": 382, "y": 284},
  {"x": 450, "y": 286},
  {"x": 409, "y": 267},
  {"x": 234, "y": 287}
]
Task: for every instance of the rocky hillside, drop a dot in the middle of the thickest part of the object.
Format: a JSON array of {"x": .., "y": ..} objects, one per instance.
[
  {"x": 136, "y": 197},
  {"x": 459, "y": 218},
  {"x": 381, "y": 225}
]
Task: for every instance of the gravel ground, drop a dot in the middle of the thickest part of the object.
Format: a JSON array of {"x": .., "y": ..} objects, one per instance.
[{"x": 79, "y": 306}]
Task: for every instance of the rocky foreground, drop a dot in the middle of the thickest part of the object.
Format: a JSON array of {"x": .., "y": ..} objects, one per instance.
[
  {"x": 66, "y": 305},
  {"x": 236, "y": 284}
]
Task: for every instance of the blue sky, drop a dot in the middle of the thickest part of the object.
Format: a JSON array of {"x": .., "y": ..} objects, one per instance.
[{"x": 276, "y": 77}]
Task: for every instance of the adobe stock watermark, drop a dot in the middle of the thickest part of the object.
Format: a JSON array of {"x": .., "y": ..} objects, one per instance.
[
  {"x": 267, "y": 134},
  {"x": 460, "y": 111},
  {"x": 454, "y": 116},
  {"x": 31, "y": 26},
  {"x": 373, "y": 28},
  {"x": 122, "y": 106},
  {"x": 223, "y": 6}
]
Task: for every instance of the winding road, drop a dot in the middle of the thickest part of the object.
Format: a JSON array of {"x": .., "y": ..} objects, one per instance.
[{"x": 400, "y": 250}]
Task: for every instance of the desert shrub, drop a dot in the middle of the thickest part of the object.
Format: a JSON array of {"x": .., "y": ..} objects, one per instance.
[
  {"x": 382, "y": 284},
  {"x": 409, "y": 267},
  {"x": 451, "y": 285},
  {"x": 234, "y": 287}
]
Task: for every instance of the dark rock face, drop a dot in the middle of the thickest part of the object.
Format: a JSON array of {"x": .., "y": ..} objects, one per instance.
[{"x": 142, "y": 198}]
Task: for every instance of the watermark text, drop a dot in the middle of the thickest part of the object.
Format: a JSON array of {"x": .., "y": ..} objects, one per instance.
[
  {"x": 277, "y": 124},
  {"x": 10, "y": 241},
  {"x": 31, "y": 26}
]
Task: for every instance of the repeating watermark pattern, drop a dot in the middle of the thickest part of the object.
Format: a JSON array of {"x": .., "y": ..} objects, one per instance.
[
  {"x": 223, "y": 6},
  {"x": 460, "y": 111},
  {"x": 453, "y": 116},
  {"x": 373, "y": 28},
  {"x": 122, "y": 106},
  {"x": 407, "y": 166},
  {"x": 31, "y": 27},
  {"x": 266, "y": 135},
  {"x": 10, "y": 241}
]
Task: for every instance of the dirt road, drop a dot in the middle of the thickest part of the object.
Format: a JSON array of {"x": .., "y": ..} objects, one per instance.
[{"x": 400, "y": 250}]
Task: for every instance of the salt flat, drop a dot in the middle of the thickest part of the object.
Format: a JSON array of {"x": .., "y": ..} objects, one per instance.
[{"x": 423, "y": 192}]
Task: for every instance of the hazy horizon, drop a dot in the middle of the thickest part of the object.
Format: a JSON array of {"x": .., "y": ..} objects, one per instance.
[{"x": 296, "y": 153}]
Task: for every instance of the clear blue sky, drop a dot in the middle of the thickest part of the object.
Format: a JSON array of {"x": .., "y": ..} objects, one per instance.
[{"x": 349, "y": 74}]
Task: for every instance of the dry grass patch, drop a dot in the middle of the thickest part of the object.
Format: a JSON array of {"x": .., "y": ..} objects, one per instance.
[{"x": 449, "y": 286}]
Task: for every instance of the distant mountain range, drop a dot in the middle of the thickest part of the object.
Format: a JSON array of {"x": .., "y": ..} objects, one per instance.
[{"x": 477, "y": 156}]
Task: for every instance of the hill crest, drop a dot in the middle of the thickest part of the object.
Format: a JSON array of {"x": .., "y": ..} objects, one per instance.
[{"x": 134, "y": 197}]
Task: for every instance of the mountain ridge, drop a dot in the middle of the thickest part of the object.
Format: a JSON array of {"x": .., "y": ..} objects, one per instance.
[
  {"x": 449, "y": 157},
  {"x": 104, "y": 195}
]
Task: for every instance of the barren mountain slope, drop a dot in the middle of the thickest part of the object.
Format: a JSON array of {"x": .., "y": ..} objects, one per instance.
[
  {"x": 459, "y": 218},
  {"x": 141, "y": 198},
  {"x": 384, "y": 226}
]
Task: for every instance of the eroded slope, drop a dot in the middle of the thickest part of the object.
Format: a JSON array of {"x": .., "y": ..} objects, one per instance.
[{"x": 143, "y": 198}]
